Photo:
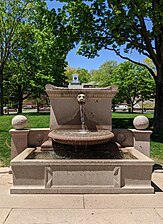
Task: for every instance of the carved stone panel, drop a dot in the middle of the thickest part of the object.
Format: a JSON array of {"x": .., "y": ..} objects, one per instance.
[{"x": 79, "y": 177}]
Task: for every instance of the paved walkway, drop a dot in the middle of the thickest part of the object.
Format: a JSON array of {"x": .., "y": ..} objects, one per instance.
[{"x": 80, "y": 209}]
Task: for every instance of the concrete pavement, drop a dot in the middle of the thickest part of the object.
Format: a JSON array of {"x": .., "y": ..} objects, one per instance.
[{"x": 80, "y": 209}]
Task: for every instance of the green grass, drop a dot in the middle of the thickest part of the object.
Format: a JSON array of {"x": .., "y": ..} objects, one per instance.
[
  {"x": 157, "y": 148},
  {"x": 120, "y": 120},
  {"x": 5, "y": 126},
  {"x": 125, "y": 120},
  {"x": 34, "y": 121}
]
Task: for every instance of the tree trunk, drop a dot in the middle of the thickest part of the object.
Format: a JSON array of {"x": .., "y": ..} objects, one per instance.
[
  {"x": 1, "y": 90},
  {"x": 20, "y": 99},
  {"x": 158, "y": 112},
  {"x": 142, "y": 108},
  {"x": 38, "y": 106},
  {"x": 132, "y": 107}
]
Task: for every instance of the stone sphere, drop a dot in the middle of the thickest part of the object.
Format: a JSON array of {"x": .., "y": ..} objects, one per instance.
[
  {"x": 141, "y": 122},
  {"x": 19, "y": 122}
]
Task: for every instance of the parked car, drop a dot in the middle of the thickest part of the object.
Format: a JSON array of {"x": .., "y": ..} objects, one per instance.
[
  {"x": 28, "y": 107},
  {"x": 121, "y": 107},
  {"x": 44, "y": 108}
]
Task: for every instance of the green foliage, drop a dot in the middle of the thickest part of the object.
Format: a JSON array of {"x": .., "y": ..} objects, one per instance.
[
  {"x": 103, "y": 75},
  {"x": 150, "y": 64},
  {"x": 32, "y": 53},
  {"x": 120, "y": 26},
  {"x": 14, "y": 17},
  {"x": 83, "y": 74},
  {"x": 99, "y": 24},
  {"x": 69, "y": 71},
  {"x": 34, "y": 121},
  {"x": 134, "y": 83}
]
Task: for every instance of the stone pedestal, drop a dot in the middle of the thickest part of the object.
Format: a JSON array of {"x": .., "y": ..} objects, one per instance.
[
  {"x": 142, "y": 141},
  {"x": 19, "y": 141}
]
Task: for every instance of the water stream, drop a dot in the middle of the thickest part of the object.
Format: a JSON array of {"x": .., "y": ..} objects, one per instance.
[{"x": 82, "y": 117}]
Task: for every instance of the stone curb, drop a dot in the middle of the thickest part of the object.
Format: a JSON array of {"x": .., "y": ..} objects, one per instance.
[{"x": 5, "y": 170}]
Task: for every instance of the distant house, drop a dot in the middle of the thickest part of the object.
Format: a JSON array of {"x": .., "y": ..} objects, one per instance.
[{"x": 91, "y": 84}]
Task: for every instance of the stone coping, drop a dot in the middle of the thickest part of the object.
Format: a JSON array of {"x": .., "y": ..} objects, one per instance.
[
  {"x": 55, "y": 92},
  {"x": 140, "y": 159}
]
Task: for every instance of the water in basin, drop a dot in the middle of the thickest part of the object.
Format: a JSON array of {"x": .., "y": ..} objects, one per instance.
[{"x": 108, "y": 150}]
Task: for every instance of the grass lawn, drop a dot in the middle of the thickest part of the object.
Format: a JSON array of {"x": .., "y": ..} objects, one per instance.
[
  {"x": 120, "y": 120},
  {"x": 125, "y": 120},
  {"x": 34, "y": 121}
]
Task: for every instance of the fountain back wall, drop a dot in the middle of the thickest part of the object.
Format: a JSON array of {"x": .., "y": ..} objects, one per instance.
[{"x": 65, "y": 113}]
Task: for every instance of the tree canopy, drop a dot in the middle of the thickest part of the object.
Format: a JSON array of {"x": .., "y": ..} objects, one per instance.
[
  {"x": 32, "y": 53},
  {"x": 134, "y": 82},
  {"x": 83, "y": 74},
  {"x": 121, "y": 26},
  {"x": 103, "y": 75}
]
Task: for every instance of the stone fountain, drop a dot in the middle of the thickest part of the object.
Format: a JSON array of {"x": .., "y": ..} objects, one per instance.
[{"x": 80, "y": 153}]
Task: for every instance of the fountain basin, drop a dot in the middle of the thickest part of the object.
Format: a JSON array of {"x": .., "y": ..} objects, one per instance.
[
  {"x": 81, "y": 137},
  {"x": 82, "y": 162},
  {"x": 32, "y": 176}
]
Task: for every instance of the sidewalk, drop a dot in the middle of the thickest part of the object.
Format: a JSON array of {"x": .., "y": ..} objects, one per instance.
[{"x": 80, "y": 209}]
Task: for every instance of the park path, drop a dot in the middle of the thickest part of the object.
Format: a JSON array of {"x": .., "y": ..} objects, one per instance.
[{"x": 81, "y": 208}]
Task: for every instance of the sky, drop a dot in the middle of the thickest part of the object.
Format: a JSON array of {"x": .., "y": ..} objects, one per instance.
[{"x": 76, "y": 61}]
